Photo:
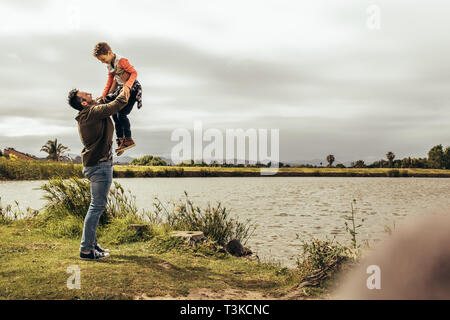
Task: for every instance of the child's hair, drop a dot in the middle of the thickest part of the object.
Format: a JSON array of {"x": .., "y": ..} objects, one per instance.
[{"x": 101, "y": 48}]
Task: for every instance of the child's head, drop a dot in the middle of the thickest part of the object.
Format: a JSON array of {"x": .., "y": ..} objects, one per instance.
[{"x": 102, "y": 52}]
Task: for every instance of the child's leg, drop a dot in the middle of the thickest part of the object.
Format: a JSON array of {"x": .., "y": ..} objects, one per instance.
[
  {"x": 118, "y": 125},
  {"x": 122, "y": 115},
  {"x": 125, "y": 123}
]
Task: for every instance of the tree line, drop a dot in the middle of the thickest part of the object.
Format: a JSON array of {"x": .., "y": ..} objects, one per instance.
[{"x": 438, "y": 158}]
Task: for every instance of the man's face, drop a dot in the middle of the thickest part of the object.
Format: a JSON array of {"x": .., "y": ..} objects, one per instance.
[{"x": 86, "y": 99}]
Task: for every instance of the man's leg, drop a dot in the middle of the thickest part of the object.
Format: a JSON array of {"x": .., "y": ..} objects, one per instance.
[{"x": 100, "y": 177}]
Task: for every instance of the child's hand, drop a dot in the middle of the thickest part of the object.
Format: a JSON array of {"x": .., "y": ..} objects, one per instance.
[
  {"x": 126, "y": 92},
  {"x": 100, "y": 99}
]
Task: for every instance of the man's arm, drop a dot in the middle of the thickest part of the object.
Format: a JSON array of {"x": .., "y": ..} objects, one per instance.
[{"x": 108, "y": 109}]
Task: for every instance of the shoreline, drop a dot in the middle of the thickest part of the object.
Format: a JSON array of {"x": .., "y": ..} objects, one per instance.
[
  {"x": 297, "y": 172},
  {"x": 13, "y": 170}
]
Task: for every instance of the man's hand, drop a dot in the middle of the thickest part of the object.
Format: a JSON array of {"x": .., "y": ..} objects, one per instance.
[
  {"x": 100, "y": 99},
  {"x": 122, "y": 93},
  {"x": 126, "y": 91}
]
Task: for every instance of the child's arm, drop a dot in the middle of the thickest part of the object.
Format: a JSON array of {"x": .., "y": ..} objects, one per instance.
[
  {"x": 113, "y": 87},
  {"x": 109, "y": 82},
  {"x": 125, "y": 65}
]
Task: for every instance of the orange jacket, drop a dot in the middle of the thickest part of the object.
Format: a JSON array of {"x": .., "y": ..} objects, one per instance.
[{"x": 116, "y": 69}]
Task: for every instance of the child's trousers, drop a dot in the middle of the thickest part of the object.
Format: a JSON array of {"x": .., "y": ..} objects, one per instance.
[{"x": 121, "y": 121}]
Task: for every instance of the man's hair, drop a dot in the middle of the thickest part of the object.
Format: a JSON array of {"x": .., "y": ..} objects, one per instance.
[
  {"x": 74, "y": 100},
  {"x": 101, "y": 48}
]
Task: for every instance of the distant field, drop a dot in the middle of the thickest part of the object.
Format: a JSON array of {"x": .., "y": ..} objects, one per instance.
[
  {"x": 218, "y": 171},
  {"x": 42, "y": 170}
]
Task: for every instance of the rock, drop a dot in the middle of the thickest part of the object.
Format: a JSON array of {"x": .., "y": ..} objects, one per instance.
[
  {"x": 191, "y": 237},
  {"x": 235, "y": 248}
]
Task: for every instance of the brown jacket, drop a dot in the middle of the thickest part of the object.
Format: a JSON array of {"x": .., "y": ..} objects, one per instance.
[{"x": 96, "y": 130}]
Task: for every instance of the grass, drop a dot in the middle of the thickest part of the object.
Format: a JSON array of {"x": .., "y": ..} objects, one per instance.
[
  {"x": 17, "y": 169},
  {"x": 36, "y": 170},
  {"x": 37, "y": 250},
  {"x": 33, "y": 266}
]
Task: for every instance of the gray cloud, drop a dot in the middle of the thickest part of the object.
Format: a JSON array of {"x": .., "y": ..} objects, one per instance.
[{"x": 370, "y": 92}]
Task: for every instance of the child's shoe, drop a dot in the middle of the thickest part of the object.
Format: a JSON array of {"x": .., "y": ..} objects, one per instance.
[
  {"x": 126, "y": 144},
  {"x": 119, "y": 142}
]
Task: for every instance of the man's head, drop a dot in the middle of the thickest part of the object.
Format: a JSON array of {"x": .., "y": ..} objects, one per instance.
[
  {"x": 103, "y": 52},
  {"x": 80, "y": 100}
]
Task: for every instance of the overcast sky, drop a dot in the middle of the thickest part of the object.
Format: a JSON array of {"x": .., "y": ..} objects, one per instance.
[{"x": 313, "y": 69}]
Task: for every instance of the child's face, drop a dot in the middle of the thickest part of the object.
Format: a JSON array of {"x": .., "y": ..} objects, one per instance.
[{"x": 106, "y": 58}]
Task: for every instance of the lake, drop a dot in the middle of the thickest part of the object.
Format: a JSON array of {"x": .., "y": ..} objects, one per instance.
[{"x": 287, "y": 210}]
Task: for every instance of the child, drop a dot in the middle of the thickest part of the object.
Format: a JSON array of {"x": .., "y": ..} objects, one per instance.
[{"x": 121, "y": 74}]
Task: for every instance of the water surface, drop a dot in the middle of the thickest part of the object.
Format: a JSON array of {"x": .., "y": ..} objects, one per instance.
[{"x": 286, "y": 209}]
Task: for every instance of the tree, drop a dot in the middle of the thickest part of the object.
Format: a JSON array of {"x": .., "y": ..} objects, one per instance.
[
  {"x": 358, "y": 164},
  {"x": 330, "y": 159},
  {"x": 447, "y": 158},
  {"x": 390, "y": 156},
  {"x": 148, "y": 160},
  {"x": 436, "y": 157},
  {"x": 419, "y": 163},
  {"x": 379, "y": 164},
  {"x": 54, "y": 149},
  {"x": 407, "y": 162}
]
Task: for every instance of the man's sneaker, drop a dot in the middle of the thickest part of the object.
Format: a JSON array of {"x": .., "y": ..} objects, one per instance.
[
  {"x": 100, "y": 249},
  {"x": 94, "y": 255},
  {"x": 126, "y": 144}
]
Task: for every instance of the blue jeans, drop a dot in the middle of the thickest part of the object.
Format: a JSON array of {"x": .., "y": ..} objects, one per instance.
[{"x": 100, "y": 177}]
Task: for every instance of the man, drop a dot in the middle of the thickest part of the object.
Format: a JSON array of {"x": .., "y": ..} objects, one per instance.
[{"x": 96, "y": 132}]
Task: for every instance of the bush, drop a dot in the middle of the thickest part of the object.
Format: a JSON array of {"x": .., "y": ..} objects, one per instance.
[
  {"x": 119, "y": 231},
  {"x": 73, "y": 196},
  {"x": 321, "y": 255},
  {"x": 63, "y": 226},
  {"x": 215, "y": 222},
  {"x": 148, "y": 160},
  {"x": 68, "y": 202},
  {"x": 11, "y": 213}
]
